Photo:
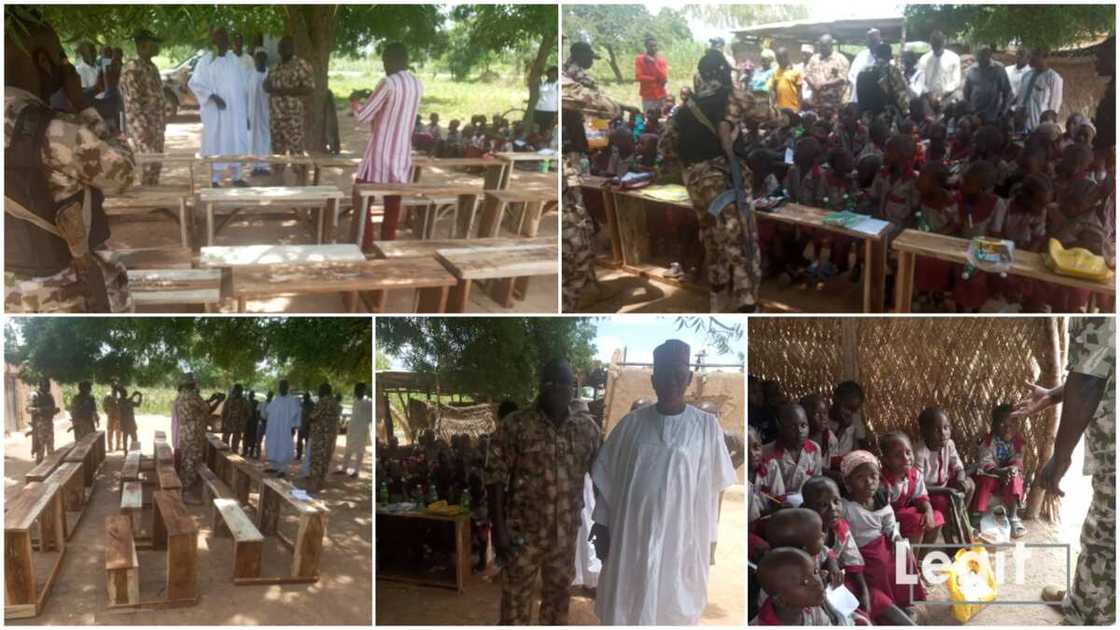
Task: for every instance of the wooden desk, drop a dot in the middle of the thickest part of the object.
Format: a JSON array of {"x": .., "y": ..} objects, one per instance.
[
  {"x": 182, "y": 159},
  {"x": 210, "y": 198},
  {"x": 38, "y": 502},
  {"x": 144, "y": 199},
  {"x": 174, "y": 530},
  {"x": 462, "y": 533},
  {"x": 267, "y": 255},
  {"x": 466, "y": 204},
  {"x": 512, "y": 158},
  {"x": 158, "y": 287},
  {"x": 426, "y": 275},
  {"x": 43, "y": 469},
  {"x": 155, "y": 258},
  {"x": 599, "y": 186},
  {"x": 913, "y": 243},
  {"x": 85, "y": 452},
  {"x": 307, "y": 548},
  {"x": 215, "y": 454},
  {"x": 412, "y": 249},
  {"x": 492, "y": 168},
  {"x": 512, "y": 265},
  {"x": 342, "y": 161},
  {"x": 532, "y": 204}
]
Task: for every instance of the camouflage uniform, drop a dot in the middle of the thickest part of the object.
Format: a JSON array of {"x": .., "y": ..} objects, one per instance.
[
  {"x": 324, "y": 429},
  {"x": 42, "y": 410},
  {"x": 79, "y": 154},
  {"x": 733, "y": 276},
  {"x": 112, "y": 407},
  {"x": 235, "y": 417},
  {"x": 1092, "y": 600},
  {"x": 83, "y": 415},
  {"x": 193, "y": 414},
  {"x": 542, "y": 466},
  {"x": 580, "y": 92},
  {"x": 286, "y": 112},
  {"x": 143, "y": 106}
]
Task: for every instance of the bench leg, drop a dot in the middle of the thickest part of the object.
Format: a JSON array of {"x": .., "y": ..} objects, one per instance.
[
  {"x": 19, "y": 572},
  {"x": 159, "y": 528},
  {"x": 358, "y": 221},
  {"x": 464, "y": 217},
  {"x": 241, "y": 483},
  {"x": 184, "y": 228},
  {"x": 319, "y": 228},
  {"x": 182, "y": 567},
  {"x": 491, "y": 222},
  {"x": 431, "y": 300},
  {"x": 502, "y": 292},
  {"x": 269, "y": 513},
  {"x": 333, "y": 210},
  {"x": 124, "y": 587},
  {"x": 875, "y": 261},
  {"x": 308, "y": 547},
  {"x": 459, "y": 298},
  {"x": 210, "y": 224},
  {"x": 904, "y": 283},
  {"x": 247, "y": 559},
  {"x": 52, "y": 523}
]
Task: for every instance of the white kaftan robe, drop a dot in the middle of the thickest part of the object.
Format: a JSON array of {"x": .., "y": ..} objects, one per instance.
[
  {"x": 283, "y": 416},
  {"x": 224, "y": 131},
  {"x": 260, "y": 130},
  {"x": 659, "y": 480},
  {"x": 588, "y": 565},
  {"x": 1039, "y": 91}
]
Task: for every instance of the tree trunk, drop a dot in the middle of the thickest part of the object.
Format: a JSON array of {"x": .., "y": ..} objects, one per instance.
[
  {"x": 613, "y": 62},
  {"x": 313, "y": 29},
  {"x": 536, "y": 70}
]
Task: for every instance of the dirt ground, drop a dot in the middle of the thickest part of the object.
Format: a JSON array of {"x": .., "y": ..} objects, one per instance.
[
  {"x": 183, "y": 135},
  {"x": 341, "y": 597},
  {"x": 405, "y": 604}
]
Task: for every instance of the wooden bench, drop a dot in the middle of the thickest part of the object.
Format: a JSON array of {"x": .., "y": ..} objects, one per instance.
[
  {"x": 425, "y": 196},
  {"x": 211, "y": 198},
  {"x": 145, "y": 199},
  {"x": 511, "y": 160},
  {"x": 215, "y": 453},
  {"x": 532, "y": 204},
  {"x": 240, "y": 475},
  {"x": 426, "y": 276},
  {"x": 38, "y": 503},
  {"x": 169, "y": 480},
  {"x": 511, "y": 265},
  {"x": 155, "y": 258},
  {"x": 69, "y": 480},
  {"x": 175, "y": 531},
  {"x": 122, "y": 566},
  {"x": 162, "y": 287},
  {"x": 413, "y": 249},
  {"x": 184, "y": 159},
  {"x": 266, "y": 255},
  {"x": 307, "y": 548},
  {"x": 85, "y": 453},
  {"x": 45, "y": 468},
  {"x": 132, "y": 502},
  {"x": 213, "y": 488},
  {"x": 913, "y": 243},
  {"x": 248, "y": 543},
  {"x": 130, "y": 471},
  {"x": 492, "y": 169},
  {"x": 159, "y": 436}
]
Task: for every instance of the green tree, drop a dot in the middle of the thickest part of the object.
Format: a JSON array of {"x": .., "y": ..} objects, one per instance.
[
  {"x": 620, "y": 29},
  {"x": 488, "y": 359},
  {"x": 725, "y": 335},
  {"x": 741, "y": 15},
  {"x": 1049, "y": 26}
]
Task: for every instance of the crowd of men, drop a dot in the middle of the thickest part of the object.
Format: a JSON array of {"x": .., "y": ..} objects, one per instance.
[{"x": 287, "y": 424}]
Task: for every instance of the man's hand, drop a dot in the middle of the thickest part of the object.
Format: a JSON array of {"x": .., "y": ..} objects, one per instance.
[
  {"x": 1052, "y": 472},
  {"x": 218, "y": 101},
  {"x": 601, "y": 538},
  {"x": 1039, "y": 399},
  {"x": 72, "y": 88}
]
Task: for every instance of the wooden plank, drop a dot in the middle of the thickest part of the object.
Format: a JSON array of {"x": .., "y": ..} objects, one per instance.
[
  {"x": 173, "y": 279},
  {"x": 365, "y": 275},
  {"x": 309, "y": 545},
  {"x": 304, "y": 159},
  {"x": 165, "y": 158},
  {"x": 131, "y": 469},
  {"x": 164, "y": 454},
  {"x": 527, "y": 156},
  {"x": 182, "y": 566},
  {"x": 44, "y": 468},
  {"x": 523, "y": 195},
  {"x": 71, "y": 483},
  {"x": 427, "y": 162},
  {"x": 120, "y": 548},
  {"x": 412, "y": 249},
  {"x": 505, "y": 262},
  {"x": 241, "y": 528},
  {"x": 224, "y": 256},
  {"x": 176, "y": 520},
  {"x": 268, "y": 195},
  {"x": 283, "y": 489},
  {"x": 132, "y": 496},
  {"x": 148, "y": 197},
  {"x": 1025, "y": 264},
  {"x": 80, "y": 451},
  {"x": 168, "y": 478},
  {"x": 21, "y": 513},
  {"x": 19, "y": 571}
]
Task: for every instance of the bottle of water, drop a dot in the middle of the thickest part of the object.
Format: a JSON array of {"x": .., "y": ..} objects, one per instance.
[{"x": 383, "y": 493}]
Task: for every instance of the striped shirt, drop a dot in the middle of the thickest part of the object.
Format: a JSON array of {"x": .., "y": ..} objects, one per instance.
[{"x": 391, "y": 113}]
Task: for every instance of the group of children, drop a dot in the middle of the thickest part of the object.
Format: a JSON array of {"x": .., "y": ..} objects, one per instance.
[
  {"x": 478, "y": 138},
  {"x": 832, "y": 505}
]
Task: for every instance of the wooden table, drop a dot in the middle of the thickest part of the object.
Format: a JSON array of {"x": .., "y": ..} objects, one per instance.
[
  {"x": 45, "y": 468},
  {"x": 155, "y": 258},
  {"x": 89, "y": 455},
  {"x": 38, "y": 502},
  {"x": 342, "y": 161},
  {"x": 160, "y": 287},
  {"x": 187, "y": 159},
  {"x": 466, "y": 204},
  {"x": 174, "y": 530},
  {"x": 210, "y": 198},
  {"x": 511, "y": 265},
  {"x": 247, "y": 255},
  {"x": 144, "y": 199},
  {"x": 412, "y": 249},
  {"x": 307, "y": 548},
  {"x": 431, "y": 280},
  {"x": 599, "y": 186},
  {"x": 532, "y": 204},
  {"x": 462, "y": 533},
  {"x": 913, "y": 243},
  {"x": 492, "y": 168},
  {"x": 511, "y": 158}
]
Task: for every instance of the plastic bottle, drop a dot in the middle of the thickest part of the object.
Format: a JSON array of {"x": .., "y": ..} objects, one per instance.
[
  {"x": 543, "y": 168},
  {"x": 420, "y": 505},
  {"x": 465, "y": 500},
  {"x": 383, "y": 493}
]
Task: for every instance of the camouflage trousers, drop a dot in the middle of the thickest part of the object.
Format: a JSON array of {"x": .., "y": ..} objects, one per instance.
[
  {"x": 321, "y": 447},
  {"x": 82, "y": 428},
  {"x": 147, "y": 140},
  {"x": 42, "y": 437},
  {"x": 1092, "y": 600},
  {"x": 733, "y": 278},
  {"x": 191, "y": 454},
  {"x": 64, "y": 292},
  {"x": 556, "y": 564},
  {"x": 576, "y": 229},
  {"x": 287, "y": 134}
]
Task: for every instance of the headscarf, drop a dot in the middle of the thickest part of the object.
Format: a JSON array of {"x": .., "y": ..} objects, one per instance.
[{"x": 855, "y": 459}]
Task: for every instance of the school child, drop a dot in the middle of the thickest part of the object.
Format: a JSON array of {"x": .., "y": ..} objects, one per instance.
[
  {"x": 1000, "y": 468},
  {"x": 1074, "y": 222},
  {"x": 847, "y": 420},
  {"x": 981, "y": 213},
  {"x": 796, "y": 593},
  {"x": 1025, "y": 225},
  {"x": 765, "y": 487},
  {"x": 820, "y": 429},
  {"x": 936, "y": 457},
  {"x": 896, "y": 186},
  {"x": 906, "y": 490},
  {"x": 933, "y": 277},
  {"x": 850, "y": 134},
  {"x": 798, "y": 457}
]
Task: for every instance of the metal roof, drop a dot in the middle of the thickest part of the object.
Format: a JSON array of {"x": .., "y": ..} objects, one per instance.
[{"x": 843, "y": 31}]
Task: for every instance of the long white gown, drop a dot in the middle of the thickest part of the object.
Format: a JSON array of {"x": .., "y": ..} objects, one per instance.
[
  {"x": 283, "y": 416},
  {"x": 224, "y": 131},
  {"x": 588, "y": 565},
  {"x": 260, "y": 130},
  {"x": 659, "y": 480}
]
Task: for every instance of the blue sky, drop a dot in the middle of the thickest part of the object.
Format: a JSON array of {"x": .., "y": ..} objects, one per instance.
[{"x": 702, "y": 31}]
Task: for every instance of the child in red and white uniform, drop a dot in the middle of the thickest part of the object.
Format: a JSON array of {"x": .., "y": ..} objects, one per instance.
[
  {"x": 1000, "y": 468},
  {"x": 935, "y": 455},
  {"x": 797, "y": 456},
  {"x": 906, "y": 490}
]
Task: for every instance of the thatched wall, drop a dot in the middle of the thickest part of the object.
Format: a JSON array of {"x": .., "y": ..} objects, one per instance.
[{"x": 966, "y": 365}]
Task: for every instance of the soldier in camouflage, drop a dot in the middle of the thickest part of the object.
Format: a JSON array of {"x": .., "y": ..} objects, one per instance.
[
  {"x": 55, "y": 258},
  {"x": 112, "y": 405},
  {"x": 235, "y": 417},
  {"x": 83, "y": 411},
  {"x": 42, "y": 410},
  {"x": 288, "y": 83},
  {"x": 1088, "y": 399},
  {"x": 580, "y": 94},
  {"x": 143, "y": 102},
  {"x": 324, "y": 432},
  {"x": 534, "y": 477},
  {"x": 194, "y": 414}
]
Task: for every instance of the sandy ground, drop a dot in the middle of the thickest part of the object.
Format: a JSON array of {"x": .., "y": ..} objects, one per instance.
[
  {"x": 287, "y": 227},
  {"x": 405, "y": 604},
  {"x": 341, "y": 597}
]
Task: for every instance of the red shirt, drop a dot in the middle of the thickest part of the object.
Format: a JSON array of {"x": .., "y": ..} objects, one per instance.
[{"x": 651, "y": 76}]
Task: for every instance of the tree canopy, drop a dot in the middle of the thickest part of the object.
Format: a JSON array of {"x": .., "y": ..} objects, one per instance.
[
  {"x": 156, "y": 350},
  {"x": 620, "y": 29},
  {"x": 490, "y": 358},
  {"x": 1049, "y": 26}
]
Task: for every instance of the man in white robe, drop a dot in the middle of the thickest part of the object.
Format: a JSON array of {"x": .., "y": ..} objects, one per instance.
[
  {"x": 864, "y": 60},
  {"x": 658, "y": 479},
  {"x": 283, "y": 416},
  {"x": 1040, "y": 89},
  {"x": 220, "y": 83},
  {"x": 260, "y": 128},
  {"x": 939, "y": 70}
]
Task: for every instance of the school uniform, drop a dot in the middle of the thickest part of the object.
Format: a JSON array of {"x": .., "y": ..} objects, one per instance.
[
  {"x": 872, "y": 531},
  {"x": 933, "y": 275},
  {"x": 992, "y": 453},
  {"x": 982, "y": 216},
  {"x": 767, "y": 616},
  {"x": 906, "y": 493},
  {"x": 847, "y": 440},
  {"x": 795, "y": 465},
  {"x": 938, "y": 468},
  {"x": 844, "y": 550}
]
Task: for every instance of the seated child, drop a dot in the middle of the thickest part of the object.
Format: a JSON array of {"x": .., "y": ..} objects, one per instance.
[
  {"x": 1075, "y": 120},
  {"x": 936, "y": 457},
  {"x": 453, "y": 143},
  {"x": 433, "y": 126},
  {"x": 820, "y": 429},
  {"x": 935, "y": 143},
  {"x": 877, "y": 135},
  {"x": 796, "y": 593},
  {"x": 961, "y": 145},
  {"x": 1000, "y": 468},
  {"x": 1075, "y": 223},
  {"x": 872, "y": 522},
  {"x": 765, "y": 487},
  {"x": 850, "y": 134},
  {"x": 838, "y": 185},
  {"x": 867, "y": 168},
  {"x": 798, "y": 457},
  {"x": 896, "y": 185},
  {"x": 822, "y": 495},
  {"x": 847, "y": 422},
  {"x": 933, "y": 277},
  {"x": 804, "y": 177},
  {"x": 981, "y": 213},
  {"x": 906, "y": 490},
  {"x": 1025, "y": 225},
  {"x": 988, "y": 145}
]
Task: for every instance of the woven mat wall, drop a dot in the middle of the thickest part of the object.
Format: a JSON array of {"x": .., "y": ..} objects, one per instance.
[{"x": 966, "y": 365}]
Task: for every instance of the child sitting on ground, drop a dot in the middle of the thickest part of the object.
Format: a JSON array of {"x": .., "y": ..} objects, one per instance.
[
  {"x": 796, "y": 593},
  {"x": 935, "y": 455},
  {"x": 906, "y": 490},
  {"x": 1000, "y": 468},
  {"x": 847, "y": 422},
  {"x": 820, "y": 429},
  {"x": 798, "y": 457},
  {"x": 765, "y": 487}
]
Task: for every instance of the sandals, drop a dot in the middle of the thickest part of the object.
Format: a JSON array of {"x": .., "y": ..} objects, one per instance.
[{"x": 1017, "y": 528}]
